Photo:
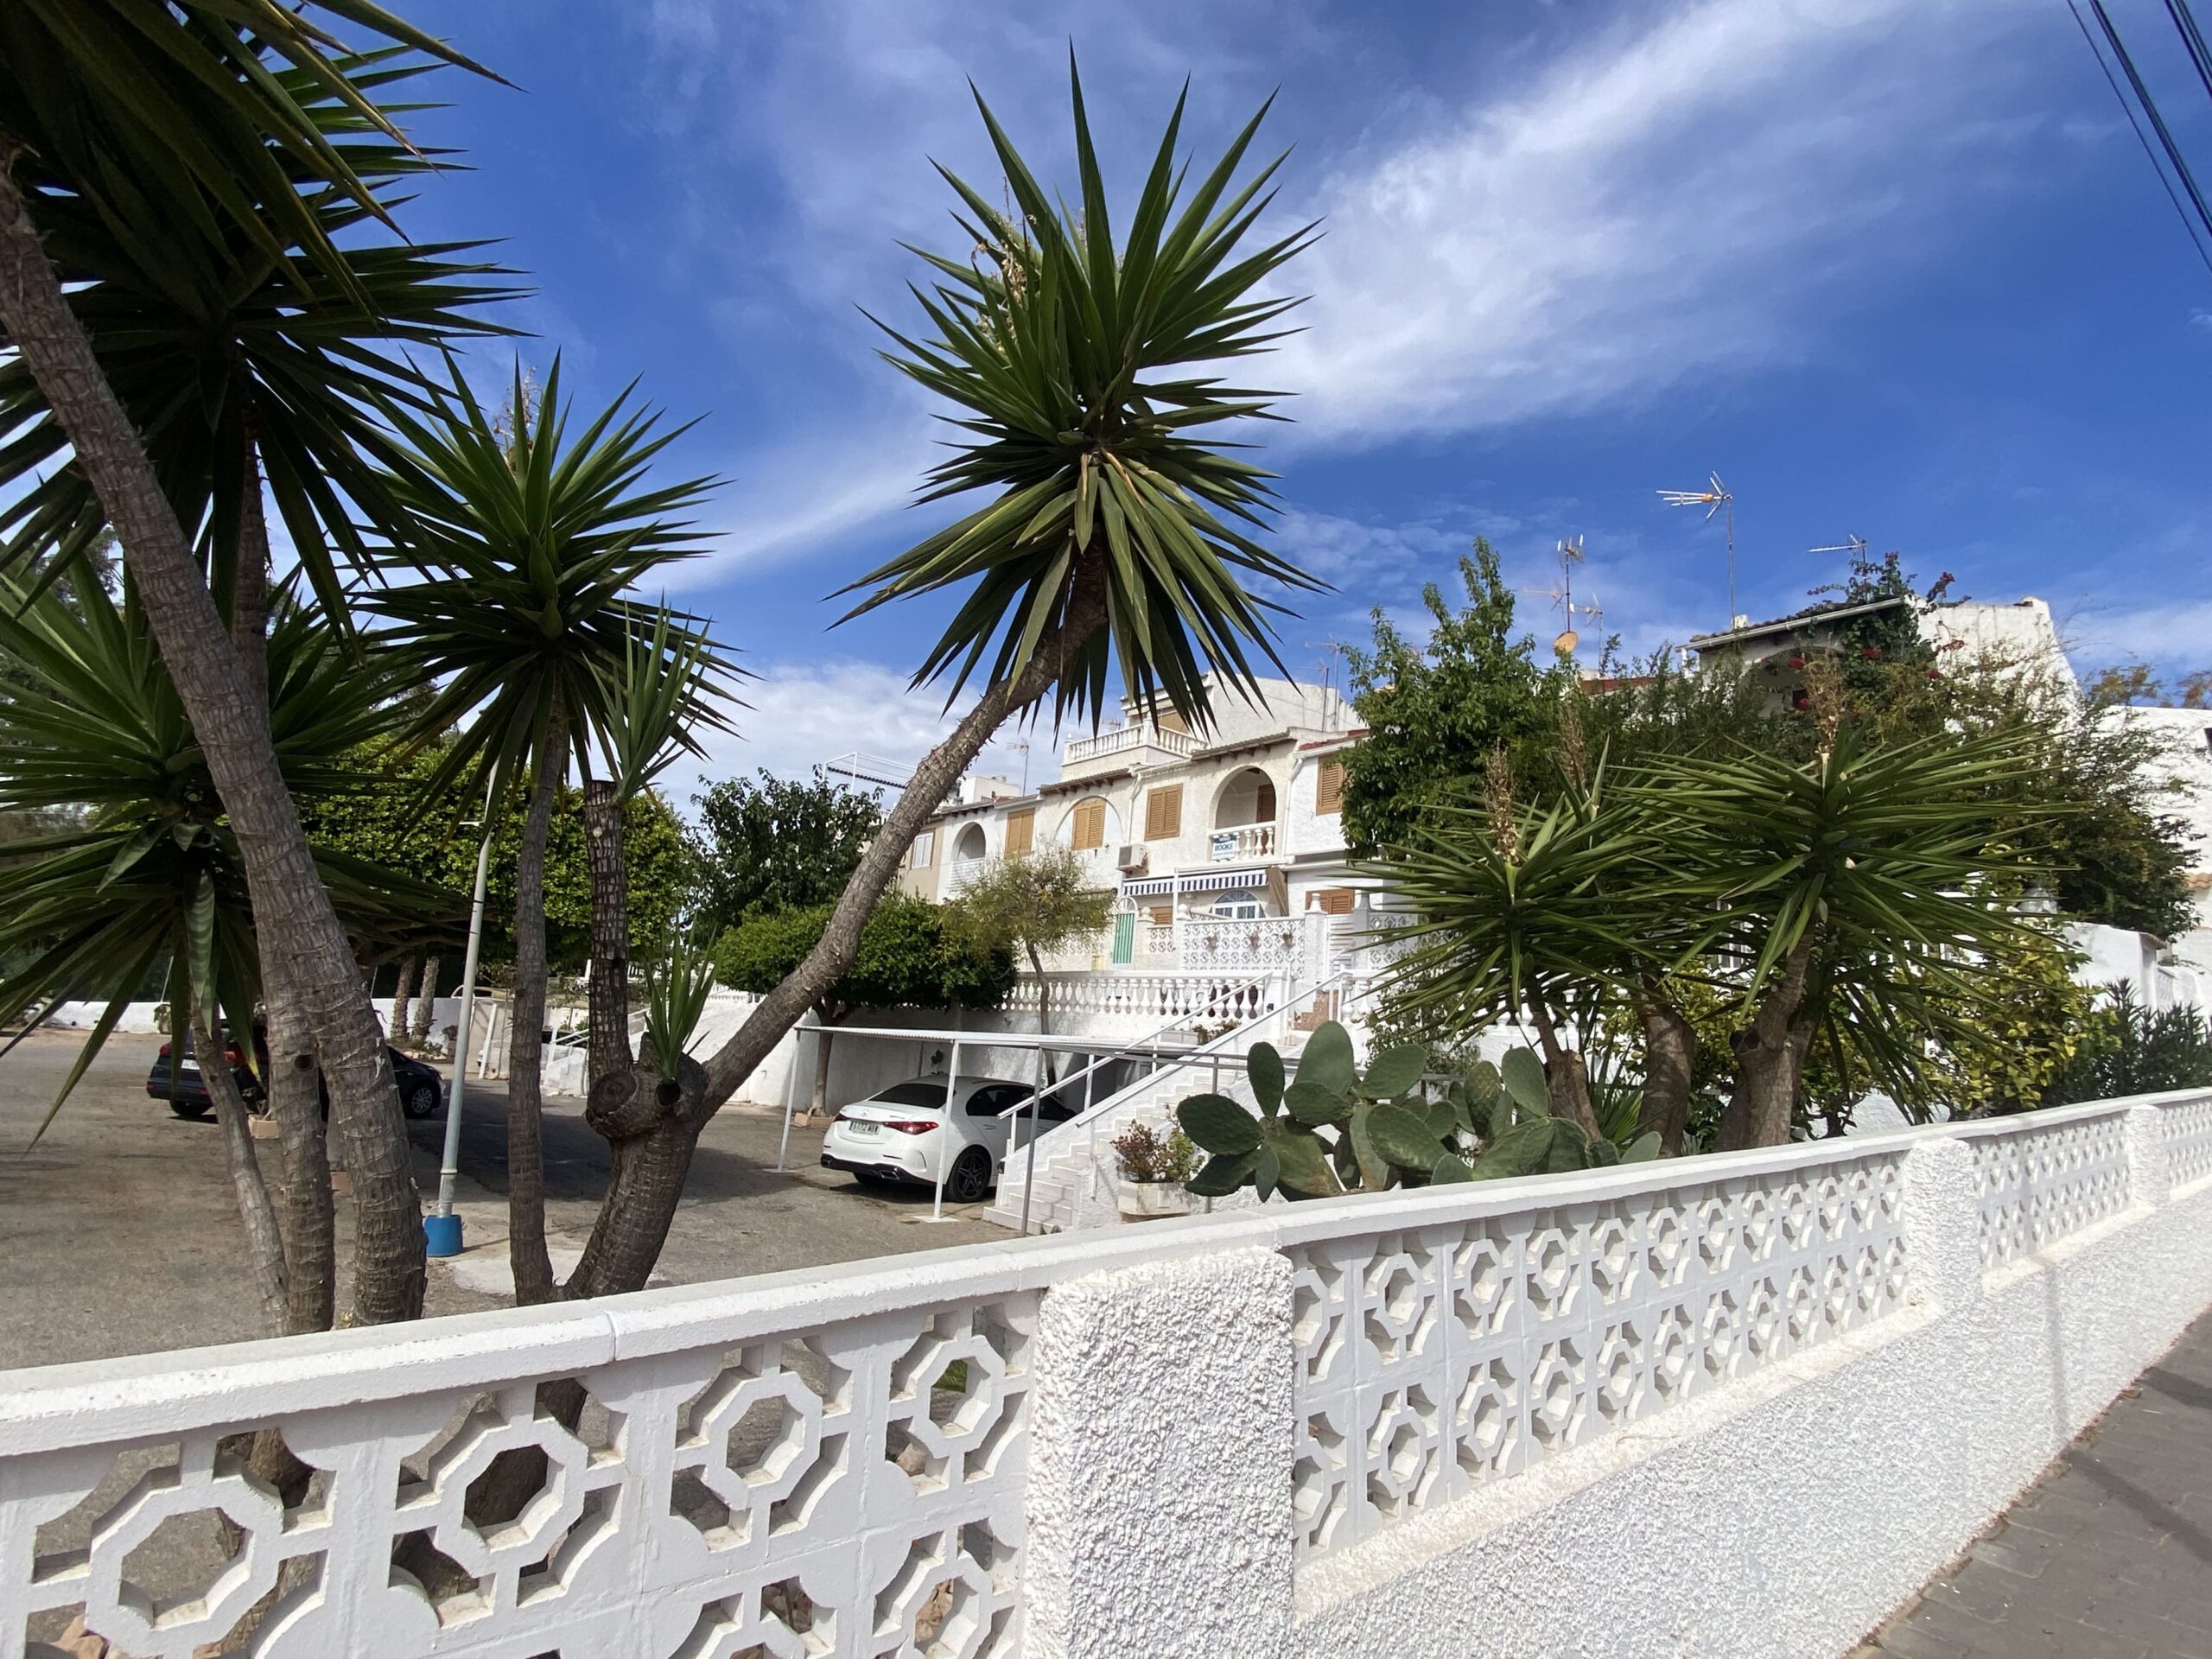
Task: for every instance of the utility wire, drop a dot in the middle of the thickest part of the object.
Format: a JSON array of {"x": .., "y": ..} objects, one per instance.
[
  {"x": 2193, "y": 38},
  {"x": 2189, "y": 225}
]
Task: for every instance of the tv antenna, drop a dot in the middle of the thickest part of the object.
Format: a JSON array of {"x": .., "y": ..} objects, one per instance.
[
  {"x": 1854, "y": 545},
  {"x": 1714, "y": 498},
  {"x": 1563, "y": 597}
]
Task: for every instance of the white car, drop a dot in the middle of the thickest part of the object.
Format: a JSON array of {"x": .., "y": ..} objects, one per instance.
[{"x": 902, "y": 1133}]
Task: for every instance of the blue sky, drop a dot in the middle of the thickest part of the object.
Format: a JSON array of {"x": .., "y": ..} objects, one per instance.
[{"x": 1894, "y": 268}]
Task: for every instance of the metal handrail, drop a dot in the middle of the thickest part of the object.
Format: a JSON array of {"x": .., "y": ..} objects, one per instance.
[{"x": 1209, "y": 1050}]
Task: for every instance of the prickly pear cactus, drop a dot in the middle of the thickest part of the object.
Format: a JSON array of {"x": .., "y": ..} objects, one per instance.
[{"x": 1330, "y": 1130}]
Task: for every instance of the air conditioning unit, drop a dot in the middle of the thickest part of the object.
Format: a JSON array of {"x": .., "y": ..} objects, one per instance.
[{"x": 1129, "y": 859}]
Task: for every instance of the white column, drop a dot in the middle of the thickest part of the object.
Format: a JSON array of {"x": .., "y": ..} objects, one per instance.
[
  {"x": 2150, "y": 1165},
  {"x": 1160, "y": 1452},
  {"x": 1942, "y": 1224}
]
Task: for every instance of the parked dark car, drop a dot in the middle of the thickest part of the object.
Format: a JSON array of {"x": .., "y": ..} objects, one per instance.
[{"x": 421, "y": 1089}]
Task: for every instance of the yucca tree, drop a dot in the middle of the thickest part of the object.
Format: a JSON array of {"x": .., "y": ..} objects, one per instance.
[
  {"x": 1121, "y": 527},
  {"x": 1872, "y": 884},
  {"x": 523, "y": 543},
  {"x": 150, "y": 873},
  {"x": 151, "y": 113},
  {"x": 1536, "y": 911}
]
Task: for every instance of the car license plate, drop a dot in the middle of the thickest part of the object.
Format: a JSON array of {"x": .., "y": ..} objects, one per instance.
[{"x": 861, "y": 1126}]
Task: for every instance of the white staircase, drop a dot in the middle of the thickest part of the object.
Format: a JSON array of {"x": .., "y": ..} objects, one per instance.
[{"x": 1076, "y": 1183}]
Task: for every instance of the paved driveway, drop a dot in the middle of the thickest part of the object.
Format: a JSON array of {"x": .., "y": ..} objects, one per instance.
[{"x": 120, "y": 1235}]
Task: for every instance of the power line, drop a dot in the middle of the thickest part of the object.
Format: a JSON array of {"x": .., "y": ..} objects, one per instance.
[
  {"x": 2150, "y": 109},
  {"x": 2193, "y": 38}
]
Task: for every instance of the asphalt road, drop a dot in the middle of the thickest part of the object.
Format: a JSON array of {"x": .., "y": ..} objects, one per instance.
[{"x": 119, "y": 1234}]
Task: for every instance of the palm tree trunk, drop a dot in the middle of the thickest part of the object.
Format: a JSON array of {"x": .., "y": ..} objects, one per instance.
[
  {"x": 610, "y": 929},
  {"x": 665, "y": 1122},
  {"x": 402, "y": 1001},
  {"x": 533, "y": 1269},
  {"x": 1564, "y": 1072},
  {"x": 1769, "y": 1061},
  {"x": 426, "y": 998},
  {"x": 1669, "y": 1060},
  {"x": 264, "y": 1243},
  {"x": 309, "y": 1218},
  {"x": 233, "y": 727}
]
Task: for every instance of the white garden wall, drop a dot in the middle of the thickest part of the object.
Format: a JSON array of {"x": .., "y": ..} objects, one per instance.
[{"x": 1739, "y": 1405}]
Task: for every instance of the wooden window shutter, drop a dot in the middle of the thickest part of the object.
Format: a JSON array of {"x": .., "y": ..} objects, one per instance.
[
  {"x": 1020, "y": 831},
  {"x": 1335, "y": 901},
  {"x": 1329, "y": 786},
  {"x": 1162, "y": 915},
  {"x": 1090, "y": 825},
  {"x": 1163, "y": 813}
]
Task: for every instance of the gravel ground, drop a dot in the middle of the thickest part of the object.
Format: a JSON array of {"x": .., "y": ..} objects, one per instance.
[{"x": 121, "y": 1236}]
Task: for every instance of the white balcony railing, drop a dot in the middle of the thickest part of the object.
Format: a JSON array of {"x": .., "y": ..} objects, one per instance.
[
  {"x": 960, "y": 871},
  {"x": 1240, "y": 842},
  {"x": 939, "y": 1455},
  {"x": 1288, "y": 943},
  {"x": 1142, "y": 735}
]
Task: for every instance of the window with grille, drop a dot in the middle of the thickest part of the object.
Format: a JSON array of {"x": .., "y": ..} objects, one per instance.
[{"x": 1163, "y": 813}]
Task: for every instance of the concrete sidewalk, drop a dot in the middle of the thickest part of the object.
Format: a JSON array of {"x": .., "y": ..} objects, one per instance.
[{"x": 2108, "y": 1556}]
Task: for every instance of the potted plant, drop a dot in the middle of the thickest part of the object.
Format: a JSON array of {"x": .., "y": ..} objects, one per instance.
[{"x": 1155, "y": 1168}]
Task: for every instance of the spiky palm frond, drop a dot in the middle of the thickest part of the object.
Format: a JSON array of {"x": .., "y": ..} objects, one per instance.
[
  {"x": 520, "y": 547},
  {"x": 1072, "y": 356},
  {"x": 671, "y": 689},
  {"x": 1888, "y": 850},
  {"x": 90, "y": 721},
  {"x": 1528, "y": 906},
  {"x": 200, "y": 105},
  {"x": 218, "y": 349}
]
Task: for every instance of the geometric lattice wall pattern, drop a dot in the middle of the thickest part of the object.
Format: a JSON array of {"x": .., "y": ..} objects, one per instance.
[{"x": 1434, "y": 1359}]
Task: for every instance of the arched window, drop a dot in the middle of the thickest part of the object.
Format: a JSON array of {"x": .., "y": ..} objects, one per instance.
[
  {"x": 1238, "y": 905},
  {"x": 970, "y": 843},
  {"x": 1249, "y": 797}
]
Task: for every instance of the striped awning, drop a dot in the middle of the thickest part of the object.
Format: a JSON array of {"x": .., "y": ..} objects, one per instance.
[{"x": 1152, "y": 886}]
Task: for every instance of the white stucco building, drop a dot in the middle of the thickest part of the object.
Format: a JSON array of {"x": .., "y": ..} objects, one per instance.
[{"x": 1223, "y": 850}]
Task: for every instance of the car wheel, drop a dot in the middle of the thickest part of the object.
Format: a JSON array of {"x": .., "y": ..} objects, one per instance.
[
  {"x": 196, "y": 1110},
  {"x": 971, "y": 1176},
  {"x": 421, "y": 1100}
]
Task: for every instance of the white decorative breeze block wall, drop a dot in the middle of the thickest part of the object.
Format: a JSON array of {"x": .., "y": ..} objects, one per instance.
[{"x": 1739, "y": 1405}]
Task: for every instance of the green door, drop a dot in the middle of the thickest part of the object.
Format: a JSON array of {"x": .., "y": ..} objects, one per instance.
[{"x": 1125, "y": 938}]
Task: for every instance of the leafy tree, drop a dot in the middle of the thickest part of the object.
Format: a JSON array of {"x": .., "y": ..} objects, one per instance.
[
  {"x": 909, "y": 958},
  {"x": 777, "y": 844},
  {"x": 2127, "y": 1049},
  {"x": 1436, "y": 713},
  {"x": 1034, "y": 904}
]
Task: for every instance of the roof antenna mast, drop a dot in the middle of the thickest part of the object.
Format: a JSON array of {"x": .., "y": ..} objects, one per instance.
[{"x": 1714, "y": 498}]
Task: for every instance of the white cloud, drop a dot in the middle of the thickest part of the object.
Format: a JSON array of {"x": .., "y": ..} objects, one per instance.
[
  {"x": 1660, "y": 202},
  {"x": 2173, "y": 636},
  {"x": 800, "y": 716}
]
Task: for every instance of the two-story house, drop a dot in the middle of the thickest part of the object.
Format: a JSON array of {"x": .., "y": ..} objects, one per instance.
[{"x": 1223, "y": 850}]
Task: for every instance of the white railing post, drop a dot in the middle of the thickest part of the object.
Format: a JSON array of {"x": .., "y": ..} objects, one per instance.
[{"x": 1158, "y": 1511}]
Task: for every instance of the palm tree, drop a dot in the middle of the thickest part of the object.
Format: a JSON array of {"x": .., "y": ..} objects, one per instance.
[
  {"x": 1116, "y": 535},
  {"x": 151, "y": 871},
  {"x": 519, "y": 547},
  {"x": 162, "y": 119},
  {"x": 1532, "y": 910},
  {"x": 1871, "y": 884}
]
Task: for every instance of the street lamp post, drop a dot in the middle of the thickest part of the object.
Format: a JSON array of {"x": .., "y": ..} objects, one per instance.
[{"x": 441, "y": 1229}]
